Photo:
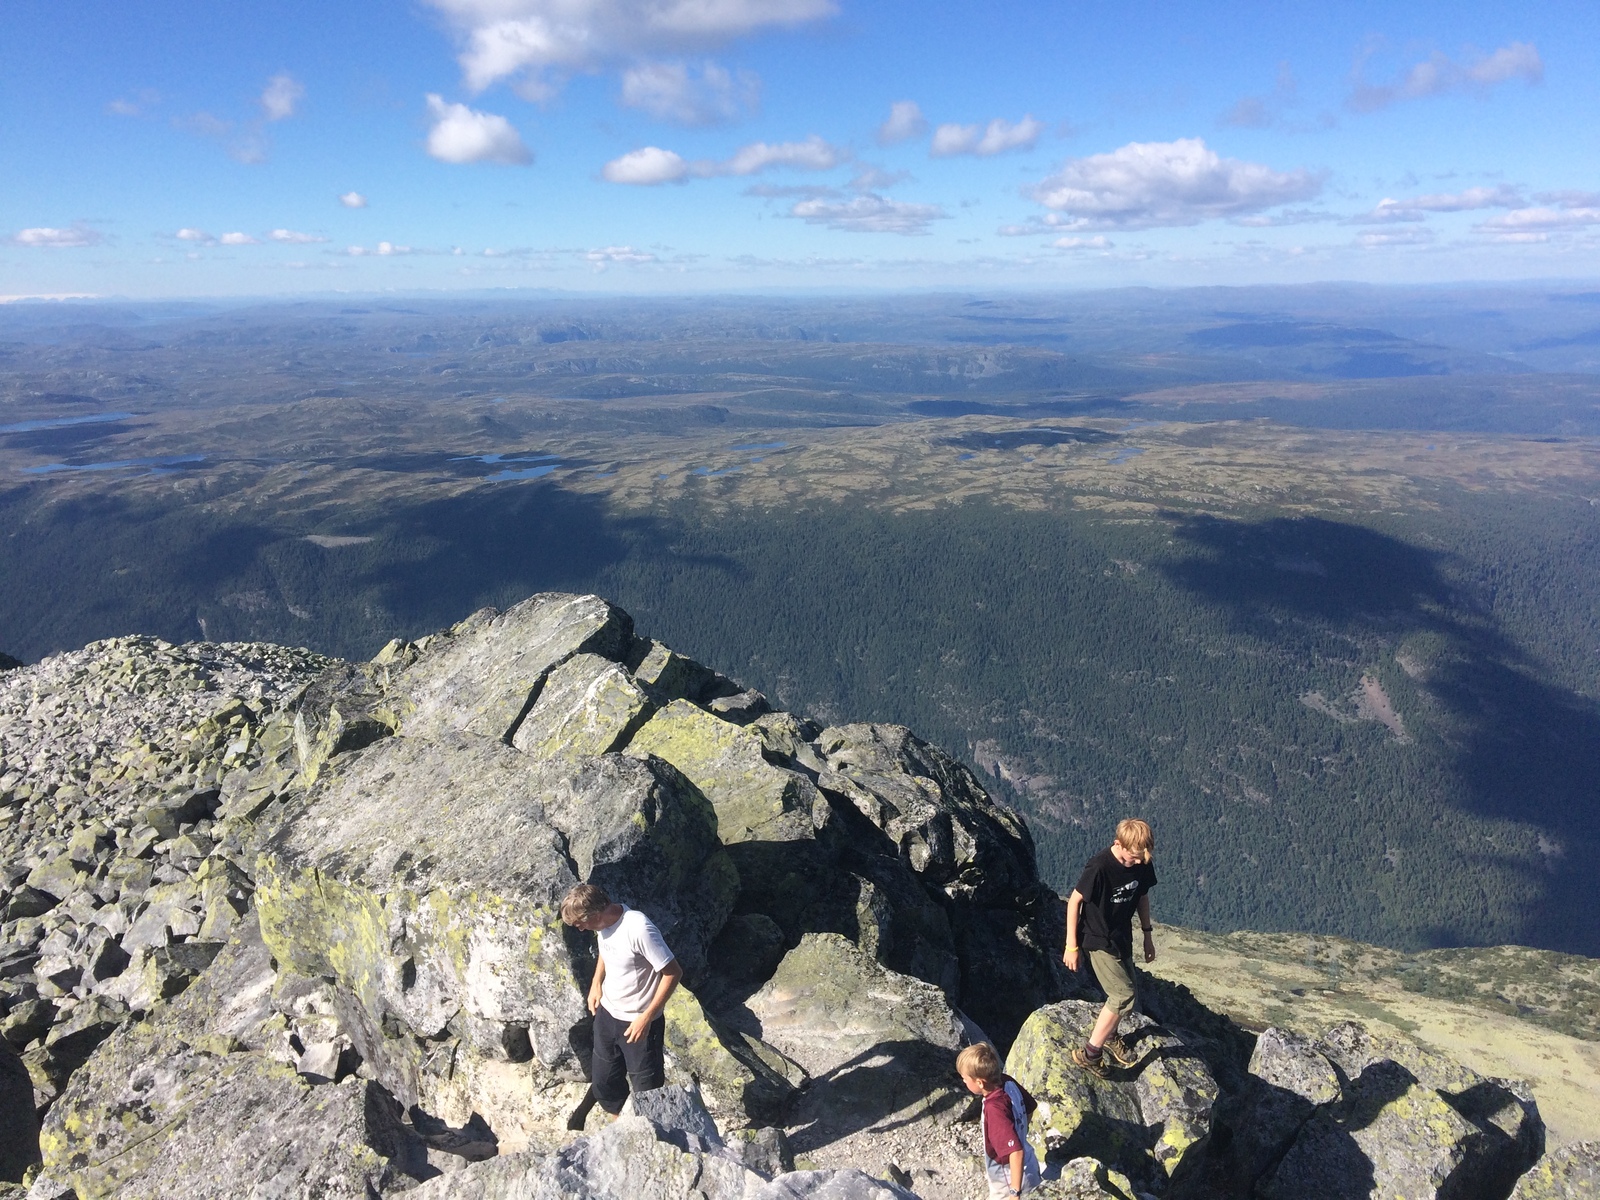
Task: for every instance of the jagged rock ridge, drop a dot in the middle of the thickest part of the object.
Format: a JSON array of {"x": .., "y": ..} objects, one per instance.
[{"x": 249, "y": 880}]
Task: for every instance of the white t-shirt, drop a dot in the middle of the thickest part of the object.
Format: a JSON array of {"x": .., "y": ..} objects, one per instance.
[{"x": 635, "y": 955}]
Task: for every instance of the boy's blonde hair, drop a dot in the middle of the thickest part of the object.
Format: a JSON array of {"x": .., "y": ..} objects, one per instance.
[
  {"x": 981, "y": 1061},
  {"x": 1134, "y": 834},
  {"x": 582, "y": 902}
]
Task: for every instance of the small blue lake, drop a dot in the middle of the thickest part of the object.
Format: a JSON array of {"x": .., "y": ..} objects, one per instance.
[
  {"x": 150, "y": 466},
  {"x": 522, "y": 473},
  {"x": 64, "y": 422},
  {"x": 493, "y": 459}
]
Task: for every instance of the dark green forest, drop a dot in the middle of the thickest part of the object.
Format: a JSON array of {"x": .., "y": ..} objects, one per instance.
[{"x": 1157, "y": 666}]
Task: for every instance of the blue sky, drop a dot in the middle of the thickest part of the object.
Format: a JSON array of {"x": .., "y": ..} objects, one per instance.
[{"x": 183, "y": 149}]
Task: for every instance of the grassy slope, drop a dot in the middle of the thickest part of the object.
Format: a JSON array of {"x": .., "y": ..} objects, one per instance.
[{"x": 1307, "y": 983}]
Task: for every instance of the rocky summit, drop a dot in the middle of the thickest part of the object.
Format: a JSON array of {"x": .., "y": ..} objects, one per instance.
[{"x": 277, "y": 925}]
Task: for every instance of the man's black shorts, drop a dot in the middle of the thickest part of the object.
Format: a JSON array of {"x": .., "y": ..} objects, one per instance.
[{"x": 621, "y": 1065}]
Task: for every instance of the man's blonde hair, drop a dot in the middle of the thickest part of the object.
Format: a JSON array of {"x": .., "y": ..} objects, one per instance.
[
  {"x": 1134, "y": 834},
  {"x": 981, "y": 1061},
  {"x": 583, "y": 902}
]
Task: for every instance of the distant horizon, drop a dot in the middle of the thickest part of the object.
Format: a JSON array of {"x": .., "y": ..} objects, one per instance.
[{"x": 819, "y": 291}]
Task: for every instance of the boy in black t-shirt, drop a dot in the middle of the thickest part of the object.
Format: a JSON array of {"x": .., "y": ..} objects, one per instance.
[{"x": 1115, "y": 884}]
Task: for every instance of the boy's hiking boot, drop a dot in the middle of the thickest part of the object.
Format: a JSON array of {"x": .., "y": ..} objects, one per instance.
[
  {"x": 1120, "y": 1052},
  {"x": 1095, "y": 1066}
]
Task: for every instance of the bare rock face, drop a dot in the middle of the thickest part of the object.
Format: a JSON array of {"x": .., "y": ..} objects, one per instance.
[
  {"x": 1570, "y": 1173},
  {"x": 275, "y": 925},
  {"x": 1150, "y": 1120},
  {"x": 440, "y": 918},
  {"x": 481, "y": 676}
]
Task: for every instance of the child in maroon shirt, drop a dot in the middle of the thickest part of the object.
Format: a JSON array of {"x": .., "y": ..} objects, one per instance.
[{"x": 1010, "y": 1164}]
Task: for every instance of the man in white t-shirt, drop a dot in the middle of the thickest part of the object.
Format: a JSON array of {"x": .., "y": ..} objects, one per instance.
[{"x": 632, "y": 980}]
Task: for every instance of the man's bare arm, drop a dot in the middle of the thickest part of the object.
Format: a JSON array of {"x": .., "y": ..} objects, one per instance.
[
  {"x": 594, "y": 987},
  {"x": 670, "y": 974}
]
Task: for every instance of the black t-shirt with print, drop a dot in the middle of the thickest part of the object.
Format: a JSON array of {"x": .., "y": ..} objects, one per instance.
[{"x": 1111, "y": 894}]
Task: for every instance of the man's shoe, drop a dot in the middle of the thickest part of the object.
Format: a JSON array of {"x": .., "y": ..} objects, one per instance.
[
  {"x": 1095, "y": 1066},
  {"x": 1120, "y": 1052}
]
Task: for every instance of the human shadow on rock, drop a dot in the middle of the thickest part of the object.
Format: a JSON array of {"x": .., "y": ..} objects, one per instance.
[{"x": 885, "y": 1087}]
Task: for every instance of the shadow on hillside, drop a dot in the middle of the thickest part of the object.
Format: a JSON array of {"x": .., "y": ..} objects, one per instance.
[
  {"x": 1521, "y": 750},
  {"x": 106, "y": 565}
]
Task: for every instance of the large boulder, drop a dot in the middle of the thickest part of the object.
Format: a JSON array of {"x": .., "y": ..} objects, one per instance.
[
  {"x": 1570, "y": 1173},
  {"x": 932, "y": 808},
  {"x": 589, "y": 705},
  {"x": 482, "y": 676},
  {"x": 976, "y": 857},
  {"x": 1148, "y": 1120},
  {"x": 829, "y": 1003},
  {"x": 424, "y": 875},
  {"x": 150, "y": 1116},
  {"x": 755, "y": 801},
  {"x": 879, "y": 1046},
  {"x": 740, "y": 1078},
  {"x": 1407, "y": 1122},
  {"x": 1509, "y": 1132}
]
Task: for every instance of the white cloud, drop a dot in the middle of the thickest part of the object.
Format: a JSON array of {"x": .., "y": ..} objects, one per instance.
[
  {"x": 382, "y": 250},
  {"x": 868, "y": 214},
  {"x": 1395, "y": 237},
  {"x": 1416, "y": 208},
  {"x": 813, "y": 154},
  {"x": 353, "y": 200},
  {"x": 1439, "y": 74},
  {"x": 1098, "y": 242},
  {"x": 44, "y": 237},
  {"x": 281, "y": 96},
  {"x": 294, "y": 238},
  {"x": 464, "y": 135},
  {"x": 652, "y": 165},
  {"x": 238, "y": 239},
  {"x": 1524, "y": 220},
  {"x": 645, "y": 166},
  {"x": 875, "y": 179},
  {"x": 996, "y": 137},
  {"x": 905, "y": 122},
  {"x": 193, "y": 235},
  {"x": 1145, "y": 185},
  {"x": 671, "y": 91},
  {"x": 541, "y": 41},
  {"x": 618, "y": 254},
  {"x": 1293, "y": 216}
]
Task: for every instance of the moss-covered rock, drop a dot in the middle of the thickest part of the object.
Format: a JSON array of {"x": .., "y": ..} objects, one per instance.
[
  {"x": 1086, "y": 1179},
  {"x": 1570, "y": 1173},
  {"x": 755, "y": 801},
  {"x": 1389, "y": 1136},
  {"x": 480, "y": 676},
  {"x": 740, "y": 1080},
  {"x": 589, "y": 705},
  {"x": 829, "y": 1002},
  {"x": 1156, "y": 1113},
  {"x": 152, "y": 1117}
]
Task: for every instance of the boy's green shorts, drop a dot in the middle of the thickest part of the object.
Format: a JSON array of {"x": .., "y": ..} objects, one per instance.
[{"x": 1116, "y": 976}]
